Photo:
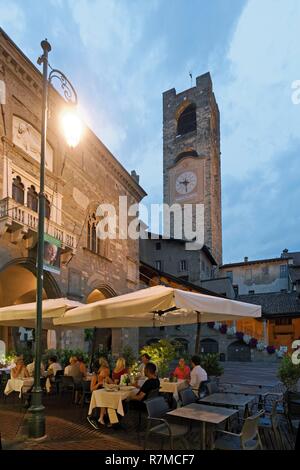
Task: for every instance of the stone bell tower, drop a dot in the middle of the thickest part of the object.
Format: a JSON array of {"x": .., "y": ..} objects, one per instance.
[{"x": 191, "y": 155}]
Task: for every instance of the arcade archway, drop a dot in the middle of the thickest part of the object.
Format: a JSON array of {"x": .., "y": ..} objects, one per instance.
[{"x": 17, "y": 286}]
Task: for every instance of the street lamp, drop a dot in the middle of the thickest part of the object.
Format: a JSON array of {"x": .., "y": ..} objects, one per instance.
[{"x": 71, "y": 125}]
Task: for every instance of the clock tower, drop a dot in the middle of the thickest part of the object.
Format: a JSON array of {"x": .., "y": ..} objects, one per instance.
[{"x": 191, "y": 155}]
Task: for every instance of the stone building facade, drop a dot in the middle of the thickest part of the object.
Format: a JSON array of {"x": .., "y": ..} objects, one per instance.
[
  {"x": 77, "y": 181},
  {"x": 191, "y": 155}
]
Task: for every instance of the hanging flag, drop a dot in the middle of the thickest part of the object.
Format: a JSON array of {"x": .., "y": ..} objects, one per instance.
[
  {"x": 2, "y": 92},
  {"x": 52, "y": 252}
]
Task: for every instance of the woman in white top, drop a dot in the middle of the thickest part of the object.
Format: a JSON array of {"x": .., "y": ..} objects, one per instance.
[{"x": 19, "y": 371}]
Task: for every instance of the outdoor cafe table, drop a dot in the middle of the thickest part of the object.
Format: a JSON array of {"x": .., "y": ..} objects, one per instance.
[
  {"x": 18, "y": 385},
  {"x": 229, "y": 399},
  {"x": 205, "y": 414},
  {"x": 172, "y": 387},
  {"x": 112, "y": 400}
]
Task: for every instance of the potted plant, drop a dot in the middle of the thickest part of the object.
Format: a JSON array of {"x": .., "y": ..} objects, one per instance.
[
  {"x": 161, "y": 353},
  {"x": 289, "y": 373},
  {"x": 210, "y": 363}
]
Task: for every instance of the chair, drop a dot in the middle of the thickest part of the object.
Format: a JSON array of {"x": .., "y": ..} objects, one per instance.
[
  {"x": 187, "y": 396},
  {"x": 268, "y": 422},
  {"x": 86, "y": 391},
  {"x": 57, "y": 380},
  {"x": 292, "y": 403},
  {"x": 248, "y": 439},
  {"x": 203, "y": 390},
  {"x": 67, "y": 384},
  {"x": 157, "y": 409},
  {"x": 212, "y": 387},
  {"x": 142, "y": 407}
]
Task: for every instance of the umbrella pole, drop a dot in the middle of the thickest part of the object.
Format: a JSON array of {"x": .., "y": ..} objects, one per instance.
[
  {"x": 93, "y": 349},
  {"x": 198, "y": 334}
]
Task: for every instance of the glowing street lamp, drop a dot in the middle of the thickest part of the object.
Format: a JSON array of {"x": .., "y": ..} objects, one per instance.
[{"x": 72, "y": 130}]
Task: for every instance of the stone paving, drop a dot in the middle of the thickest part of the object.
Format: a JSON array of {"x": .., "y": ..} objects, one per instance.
[{"x": 68, "y": 429}]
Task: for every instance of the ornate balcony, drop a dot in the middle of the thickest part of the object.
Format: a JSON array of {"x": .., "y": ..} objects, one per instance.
[{"x": 22, "y": 222}]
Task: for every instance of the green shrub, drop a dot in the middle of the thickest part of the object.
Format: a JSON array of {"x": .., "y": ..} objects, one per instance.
[
  {"x": 210, "y": 363},
  {"x": 129, "y": 356},
  {"x": 161, "y": 353},
  {"x": 288, "y": 373}
]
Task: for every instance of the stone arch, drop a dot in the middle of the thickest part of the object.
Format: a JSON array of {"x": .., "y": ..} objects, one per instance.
[
  {"x": 186, "y": 153},
  {"x": 100, "y": 292},
  {"x": 239, "y": 351},
  {"x": 24, "y": 266},
  {"x": 209, "y": 345},
  {"x": 181, "y": 345},
  {"x": 18, "y": 285}
]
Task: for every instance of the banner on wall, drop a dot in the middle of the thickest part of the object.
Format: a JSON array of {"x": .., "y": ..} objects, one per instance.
[{"x": 52, "y": 252}]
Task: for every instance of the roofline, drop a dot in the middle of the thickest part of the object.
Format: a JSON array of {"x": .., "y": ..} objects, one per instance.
[
  {"x": 204, "y": 248},
  {"x": 202, "y": 290},
  {"x": 138, "y": 188},
  {"x": 244, "y": 263}
]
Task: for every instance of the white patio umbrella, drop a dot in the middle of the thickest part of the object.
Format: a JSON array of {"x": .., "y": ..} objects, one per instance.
[
  {"x": 23, "y": 315},
  {"x": 156, "y": 306}
]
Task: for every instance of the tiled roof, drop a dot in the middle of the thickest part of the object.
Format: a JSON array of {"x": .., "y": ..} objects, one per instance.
[{"x": 275, "y": 304}]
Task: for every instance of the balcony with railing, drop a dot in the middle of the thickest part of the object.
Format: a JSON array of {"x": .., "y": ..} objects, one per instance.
[{"x": 17, "y": 217}]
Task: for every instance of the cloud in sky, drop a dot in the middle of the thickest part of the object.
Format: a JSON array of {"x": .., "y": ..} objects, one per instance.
[
  {"x": 260, "y": 127},
  {"x": 122, "y": 55}
]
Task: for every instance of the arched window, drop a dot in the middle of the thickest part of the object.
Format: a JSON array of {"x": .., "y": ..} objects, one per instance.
[
  {"x": 92, "y": 233},
  {"x": 47, "y": 208},
  {"x": 32, "y": 199},
  {"x": 187, "y": 121},
  {"x": 18, "y": 190}
]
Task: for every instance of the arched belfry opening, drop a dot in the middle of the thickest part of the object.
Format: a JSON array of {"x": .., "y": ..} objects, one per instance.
[{"x": 187, "y": 121}]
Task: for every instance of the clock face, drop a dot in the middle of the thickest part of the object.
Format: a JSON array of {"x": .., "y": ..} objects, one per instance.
[{"x": 186, "y": 182}]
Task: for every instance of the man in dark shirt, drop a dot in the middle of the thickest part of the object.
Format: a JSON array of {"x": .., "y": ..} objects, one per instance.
[{"x": 152, "y": 383}]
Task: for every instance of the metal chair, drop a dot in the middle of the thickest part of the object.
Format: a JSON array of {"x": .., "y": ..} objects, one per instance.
[
  {"x": 292, "y": 402},
  {"x": 268, "y": 422},
  {"x": 203, "y": 390},
  {"x": 57, "y": 380},
  {"x": 187, "y": 396},
  {"x": 212, "y": 387},
  {"x": 158, "y": 425},
  {"x": 86, "y": 391},
  {"x": 247, "y": 439},
  {"x": 67, "y": 384}
]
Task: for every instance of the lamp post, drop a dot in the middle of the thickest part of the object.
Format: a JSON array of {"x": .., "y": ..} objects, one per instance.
[{"x": 36, "y": 422}]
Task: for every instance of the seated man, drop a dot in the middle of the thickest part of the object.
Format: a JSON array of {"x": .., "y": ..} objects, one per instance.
[
  {"x": 198, "y": 374},
  {"x": 151, "y": 384}
]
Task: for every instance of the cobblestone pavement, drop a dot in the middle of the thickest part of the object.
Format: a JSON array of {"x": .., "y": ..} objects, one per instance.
[{"x": 66, "y": 428}]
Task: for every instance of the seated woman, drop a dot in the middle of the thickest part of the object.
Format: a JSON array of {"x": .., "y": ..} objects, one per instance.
[
  {"x": 182, "y": 371},
  {"x": 82, "y": 366},
  {"x": 101, "y": 376},
  {"x": 19, "y": 371},
  {"x": 119, "y": 370},
  {"x": 98, "y": 380}
]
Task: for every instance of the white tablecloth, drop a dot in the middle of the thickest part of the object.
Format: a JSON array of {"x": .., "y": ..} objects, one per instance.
[
  {"x": 112, "y": 400},
  {"x": 172, "y": 387},
  {"x": 18, "y": 385}
]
